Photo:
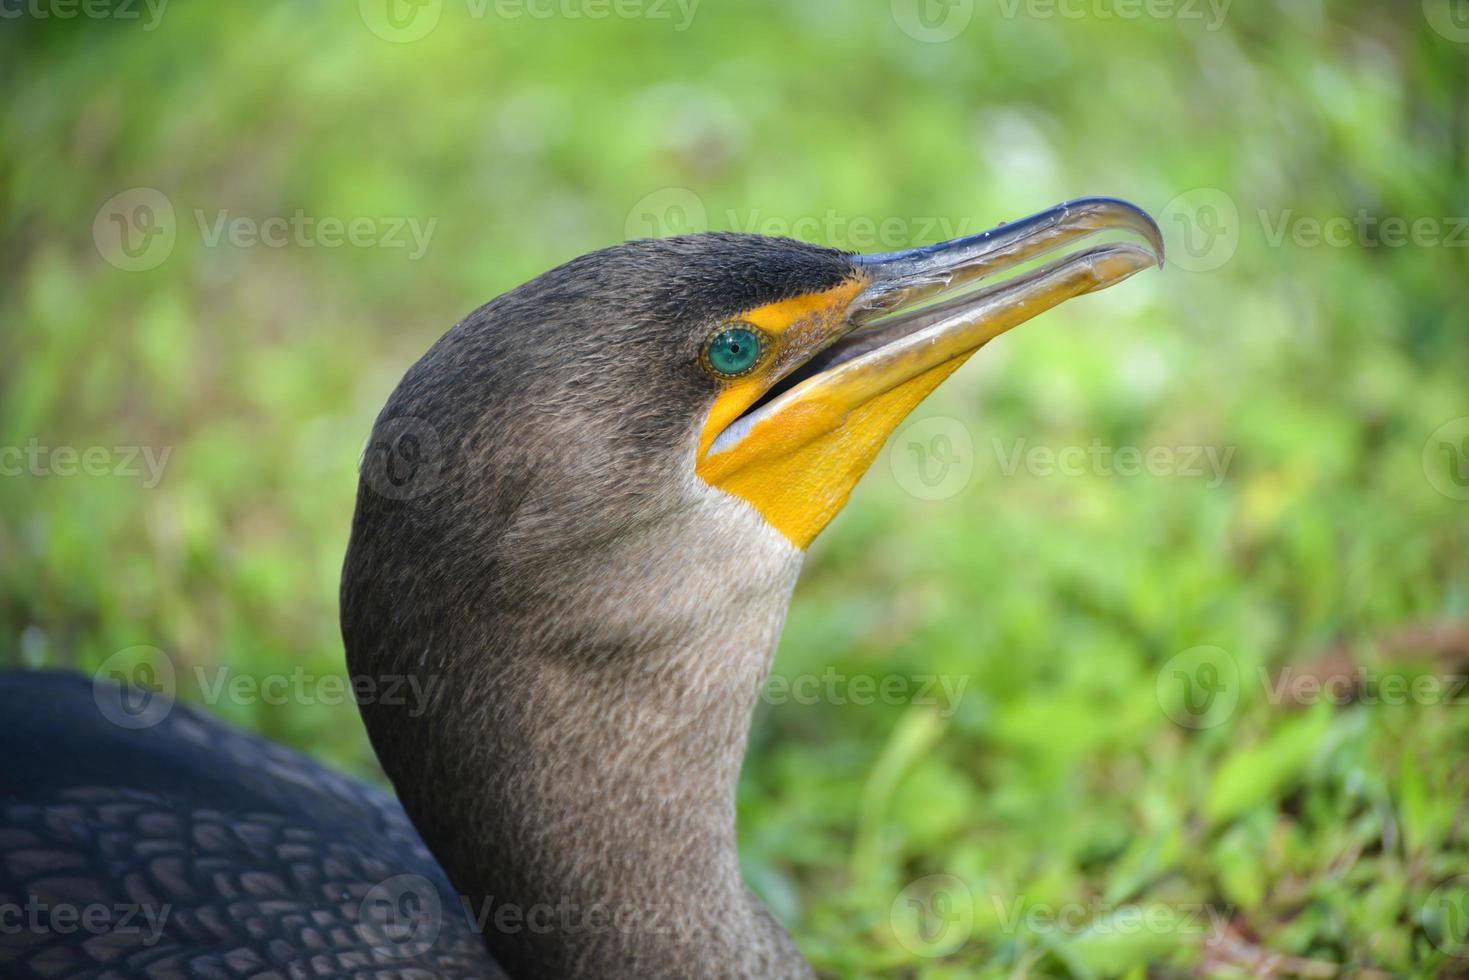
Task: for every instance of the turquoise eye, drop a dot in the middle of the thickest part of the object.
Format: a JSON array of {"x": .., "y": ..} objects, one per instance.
[{"x": 732, "y": 352}]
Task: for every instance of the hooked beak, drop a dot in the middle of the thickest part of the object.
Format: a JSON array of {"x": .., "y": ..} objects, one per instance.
[{"x": 920, "y": 313}]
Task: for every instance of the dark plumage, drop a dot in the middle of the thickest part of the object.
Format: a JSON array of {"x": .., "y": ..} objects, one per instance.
[{"x": 202, "y": 852}]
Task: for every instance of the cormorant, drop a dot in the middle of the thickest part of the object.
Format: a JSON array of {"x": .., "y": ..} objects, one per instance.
[{"x": 579, "y": 522}]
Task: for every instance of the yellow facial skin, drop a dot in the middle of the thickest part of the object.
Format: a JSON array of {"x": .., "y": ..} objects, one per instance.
[
  {"x": 798, "y": 482},
  {"x": 797, "y": 328}
]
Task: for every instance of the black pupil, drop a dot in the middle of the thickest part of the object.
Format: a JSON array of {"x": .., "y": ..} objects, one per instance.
[{"x": 734, "y": 352}]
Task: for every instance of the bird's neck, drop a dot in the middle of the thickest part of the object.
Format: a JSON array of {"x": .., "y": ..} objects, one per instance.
[{"x": 576, "y": 772}]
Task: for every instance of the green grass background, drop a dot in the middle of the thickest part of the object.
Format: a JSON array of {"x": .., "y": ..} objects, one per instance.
[{"x": 1061, "y": 781}]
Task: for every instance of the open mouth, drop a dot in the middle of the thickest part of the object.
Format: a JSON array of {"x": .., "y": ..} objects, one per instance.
[
  {"x": 929, "y": 307},
  {"x": 794, "y": 445}
]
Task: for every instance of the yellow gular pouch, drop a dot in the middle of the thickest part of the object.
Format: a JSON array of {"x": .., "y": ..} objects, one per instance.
[
  {"x": 856, "y": 359},
  {"x": 798, "y": 468}
]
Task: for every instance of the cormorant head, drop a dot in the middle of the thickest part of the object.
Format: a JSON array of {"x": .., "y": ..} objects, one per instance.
[{"x": 614, "y": 389}]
